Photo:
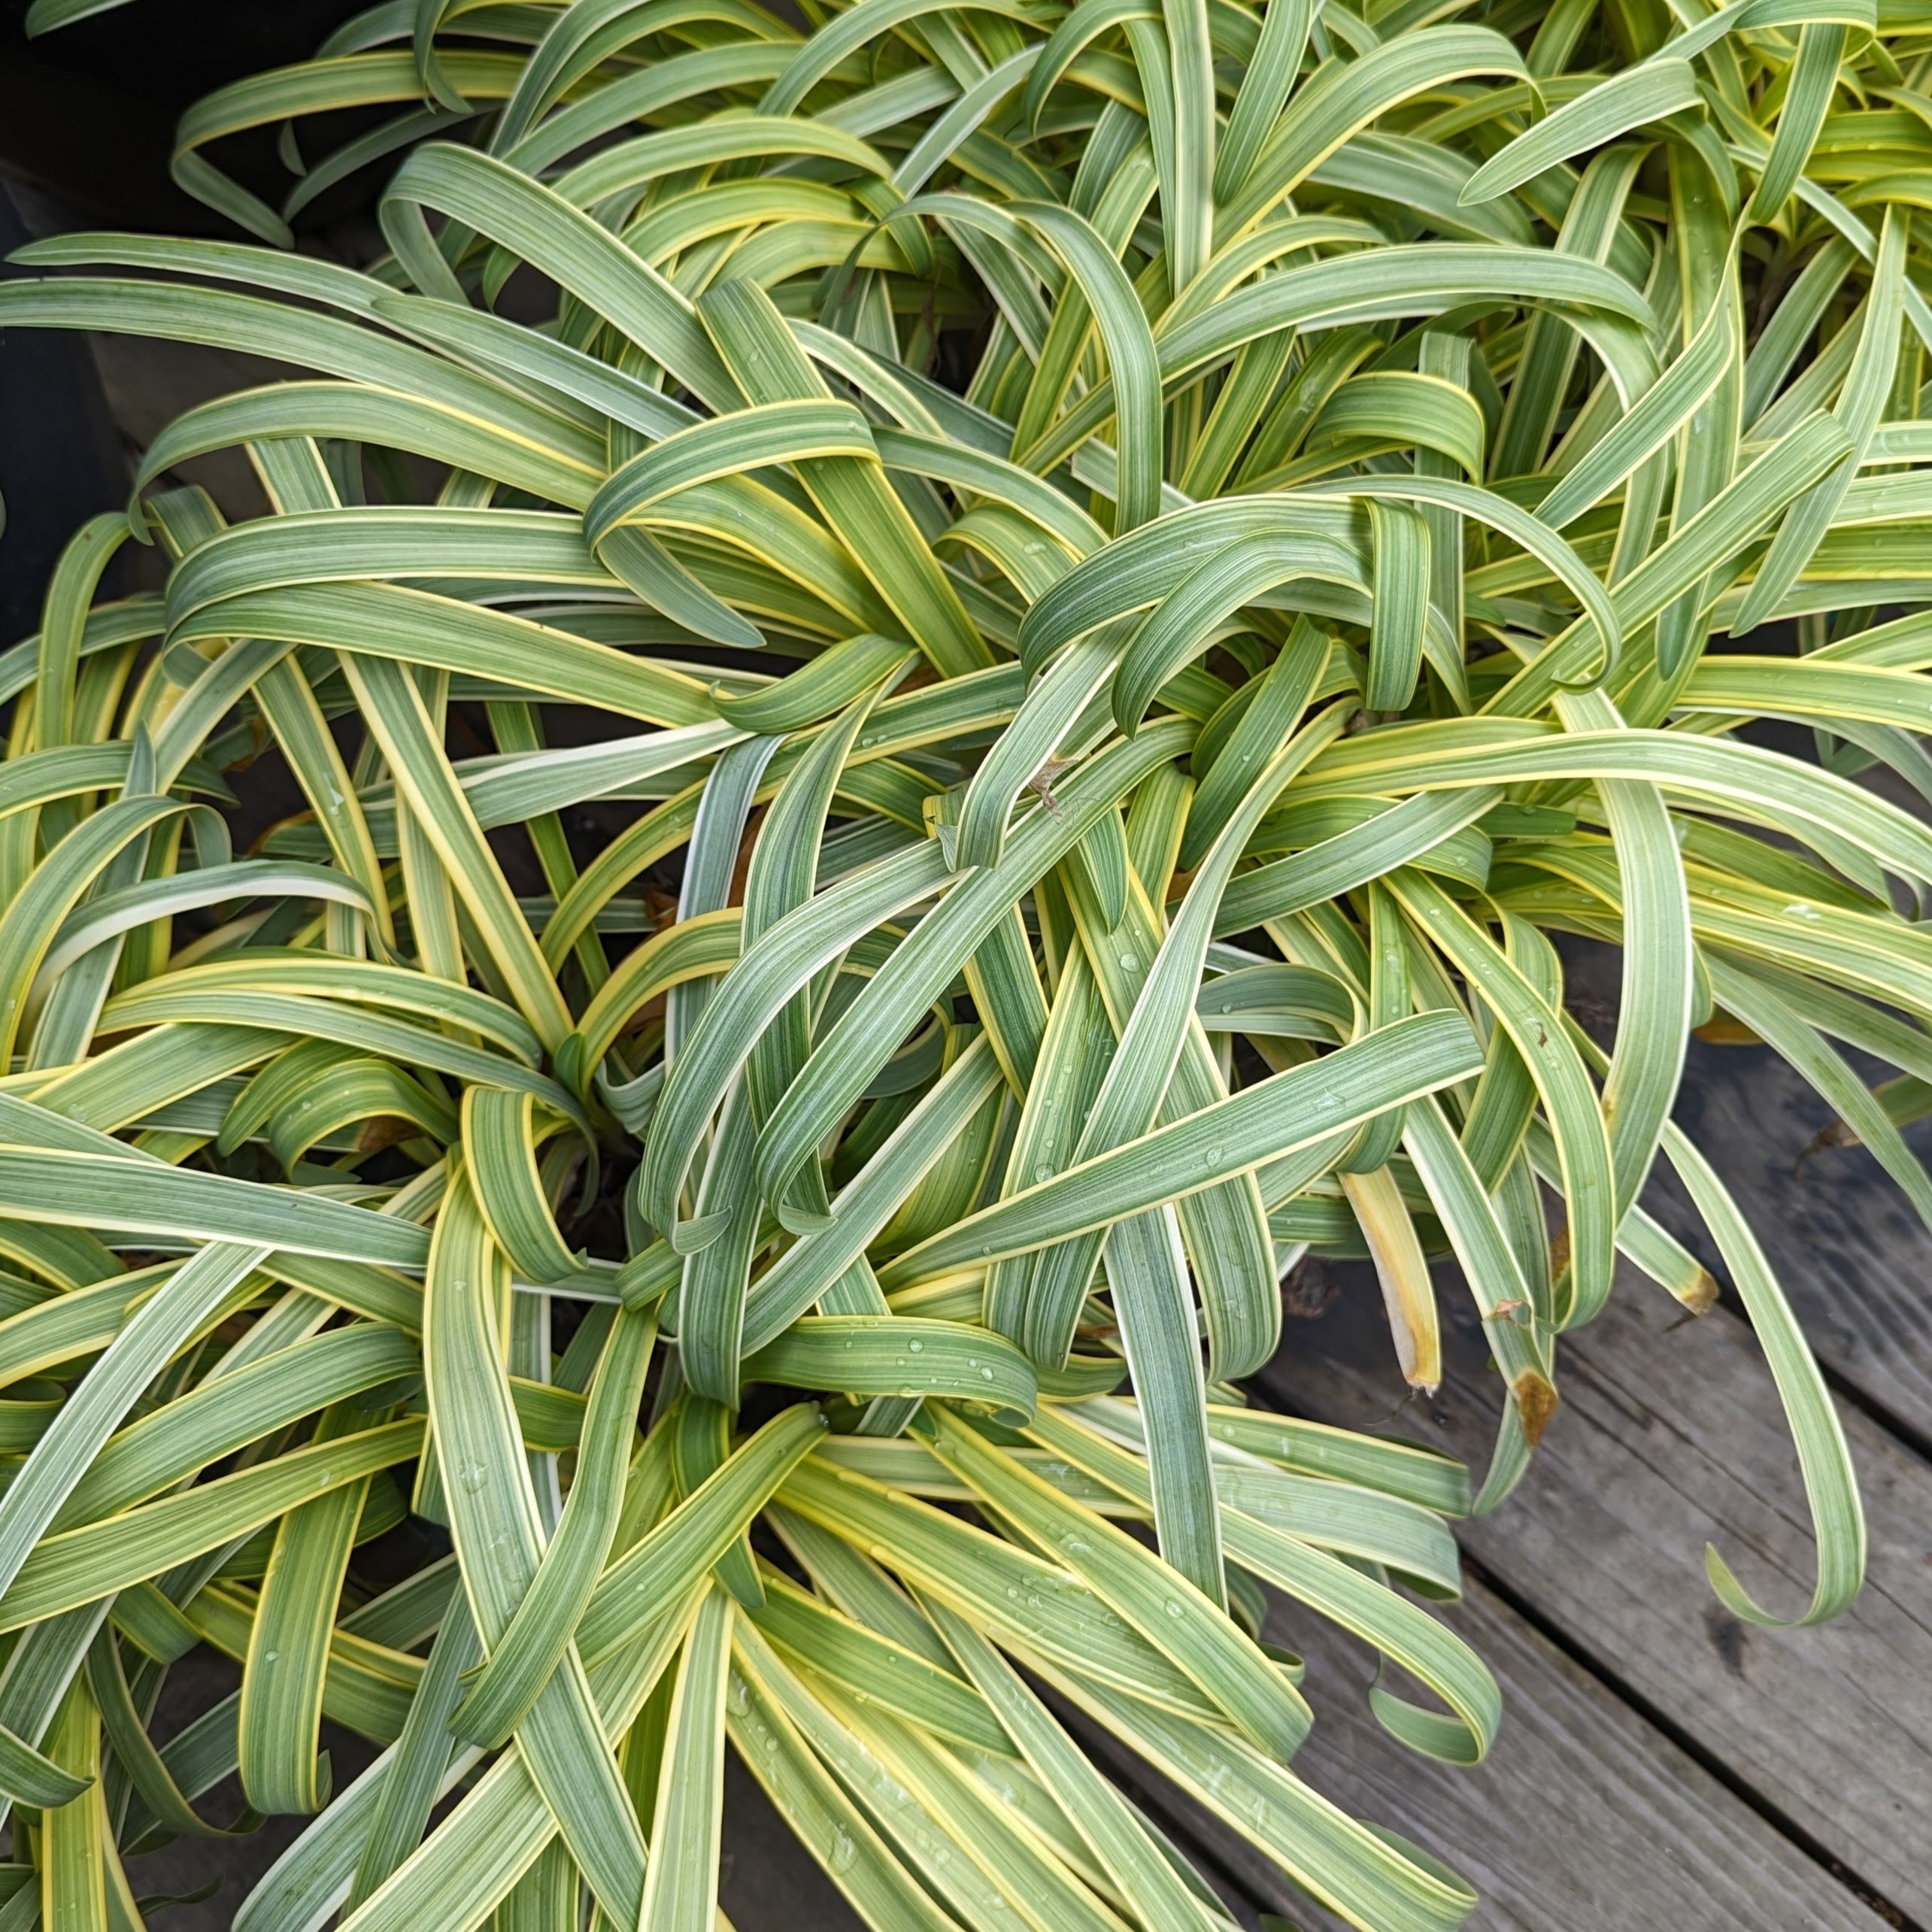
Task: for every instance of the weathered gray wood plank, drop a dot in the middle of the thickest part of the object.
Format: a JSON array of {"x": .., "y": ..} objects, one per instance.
[
  {"x": 1585, "y": 1818},
  {"x": 1853, "y": 1257},
  {"x": 1670, "y": 1435}
]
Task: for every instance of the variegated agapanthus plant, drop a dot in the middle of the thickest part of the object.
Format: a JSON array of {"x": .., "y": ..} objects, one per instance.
[{"x": 1120, "y": 571}]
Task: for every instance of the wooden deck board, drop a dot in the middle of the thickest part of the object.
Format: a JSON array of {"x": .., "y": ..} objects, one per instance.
[
  {"x": 1854, "y": 1259},
  {"x": 1585, "y": 1819},
  {"x": 1670, "y": 1435}
]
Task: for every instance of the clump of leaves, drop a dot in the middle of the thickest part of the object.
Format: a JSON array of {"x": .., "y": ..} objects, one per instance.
[{"x": 1117, "y": 577}]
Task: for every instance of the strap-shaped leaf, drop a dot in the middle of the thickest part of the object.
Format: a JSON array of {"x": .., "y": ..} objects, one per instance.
[
  {"x": 1401, "y": 595},
  {"x": 919, "y": 969},
  {"x": 1364, "y": 1875},
  {"x": 1138, "y": 1076},
  {"x": 680, "y": 1891},
  {"x": 90, "y": 1191},
  {"x": 830, "y": 683},
  {"x": 1189, "y": 1629},
  {"x": 394, "y": 708},
  {"x": 400, "y": 1803},
  {"x": 1419, "y": 411},
  {"x": 852, "y": 492},
  {"x": 794, "y": 1739},
  {"x": 810, "y": 1268},
  {"x": 772, "y": 432},
  {"x": 547, "y": 231},
  {"x": 1147, "y": 1272},
  {"x": 1651, "y": 91},
  {"x": 1371, "y": 1610},
  {"x": 1859, "y": 405},
  {"x": 539, "y": 1630},
  {"x": 800, "y": 945},
  {"x": 222, "y": 1414},
  {"x": 656, "y": 1572},
  {"x": 1259, "y": 1124},
  {"x": 79, "y": 1565},
  {"x": 992, "y": 1581},
  {"x": 499, "y": 1149},
  {"x": 493, "y": 1520},
  {"x": 288, "y": 1658},
  {"x": 897, "y": 1355},
  {"x": 873, "y": 1667},
  {"x": 1345, "y": 97}
]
